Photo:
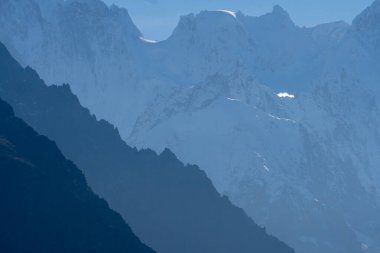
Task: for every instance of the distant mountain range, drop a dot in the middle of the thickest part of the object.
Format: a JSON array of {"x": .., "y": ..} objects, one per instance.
[
  {"x": 284, "y": 120},
  {"x": 171, "y": 207}
]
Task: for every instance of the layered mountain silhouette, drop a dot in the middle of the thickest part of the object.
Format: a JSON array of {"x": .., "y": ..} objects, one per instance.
[
  {"x": 46, "y": 204},
  {"x": 171, "y": 207},
  {"x": 283, "y": 119}
]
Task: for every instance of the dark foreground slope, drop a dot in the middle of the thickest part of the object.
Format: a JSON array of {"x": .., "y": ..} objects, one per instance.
[
  {"x": 172, "y": 207},
  {"x": 46, "y": 204}
]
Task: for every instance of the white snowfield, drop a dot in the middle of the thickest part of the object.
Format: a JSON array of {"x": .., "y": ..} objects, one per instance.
[
  {"x": 284, "y": 120},
  {"x": 285, "y": 95},
  {"x": 233, "y": 14}
]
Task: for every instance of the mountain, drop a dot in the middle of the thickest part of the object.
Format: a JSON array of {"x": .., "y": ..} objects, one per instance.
[
  {"x": 87, "y": 37},
  {"x": 357, "y": 54},
  {"x": 308, "y": 156},
  {"x": 202, "y": 45},
  {"x": 47, "y": 205},
  {"x": 283, "y": 119},
  {"x": 171, "y": 207},
  {"x": 367, "y": 25},
  {"x": 296, "y": 156},
  {"x": 283, "y": 48}
]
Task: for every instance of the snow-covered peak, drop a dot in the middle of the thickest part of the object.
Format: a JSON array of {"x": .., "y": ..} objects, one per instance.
[
  {"x": 205, "y": 44},
  {"x": 286, "y": 142},
  {"x": 233, "y": 14},
  {"x": 207, "y": 24}
]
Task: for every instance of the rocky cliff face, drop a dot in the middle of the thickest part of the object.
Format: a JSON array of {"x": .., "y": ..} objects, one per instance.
[
  {"x": 170, "y": 206},
  {"x": 286, "y": 116}
]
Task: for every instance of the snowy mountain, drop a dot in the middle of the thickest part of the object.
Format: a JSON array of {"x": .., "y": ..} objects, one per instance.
[
  {"x": 287, "y": 117},
  {"x": 202, "y": 45},
  {"x": 274, "y": 164},
  {"x": 170, "y": 206},
  {"x": 87, "y": 37}
]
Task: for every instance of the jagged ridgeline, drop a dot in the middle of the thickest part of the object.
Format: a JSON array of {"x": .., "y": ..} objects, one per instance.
[
  {"x": 283, "y": 119},
  {"x": 171, "y": 207},
  {"x": 46, "y": 204}
]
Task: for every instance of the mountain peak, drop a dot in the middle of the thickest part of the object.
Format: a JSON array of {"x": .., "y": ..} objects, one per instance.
[
  {"x": 208, "y": 23},
  {"x": 273, "y": 22},
  {"x": 96, "y": 11},
  {"x": 279, "y": 11},
  {"x": 370, "y": 15},
  {"x": 231, "y": 13},
  {"x": 367, "y": 23},
  {"x": 214, "y": 16},
  {"x": 280, "y": 15}
]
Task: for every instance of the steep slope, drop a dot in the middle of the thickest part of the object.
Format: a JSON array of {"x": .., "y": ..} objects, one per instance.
[
  {"x": 358, "y": 53},
  {"x": 367, "y": 24},
  {"x": 270, "y": 48},
  {"x": 87, "y": 37},
  {"x": 46, "y": 204},
  {"x": 172, "y": 207},
  {"x": 279, "y": 157},
  {"x": 283, "y": 49},
  {"x": 352, "y": 77},
  {"x": 111, "y": 69},
  {"x": 202, "y": 45},
  {"x": 311, "y": 157}
]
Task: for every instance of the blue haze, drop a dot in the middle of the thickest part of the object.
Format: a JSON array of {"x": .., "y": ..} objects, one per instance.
[{"x": 157, "y": 18}]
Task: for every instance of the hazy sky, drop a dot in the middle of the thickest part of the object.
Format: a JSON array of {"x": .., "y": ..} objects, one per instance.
[{"x": 157, "y": 18}]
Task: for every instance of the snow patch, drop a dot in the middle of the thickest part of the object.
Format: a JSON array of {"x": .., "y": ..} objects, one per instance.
[
  {"x": 148, "y": 41},
  {"x": 285, "y": 95},
  {"x": 258, "y": 155},
  {"x": 278, "y": 118},
  {"x": 231, "y": 13}
]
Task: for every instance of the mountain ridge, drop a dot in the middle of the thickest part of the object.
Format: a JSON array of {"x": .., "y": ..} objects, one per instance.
[
  {"x": 48, "y": 205},
  {"x": 168, "y": 204},
  {"x": 296, "y": 154}
]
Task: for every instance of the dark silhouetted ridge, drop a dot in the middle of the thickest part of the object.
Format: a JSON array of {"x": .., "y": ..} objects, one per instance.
[
  {"x": 171, "y": 207},
  {"x": 46, "y": 204}
]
